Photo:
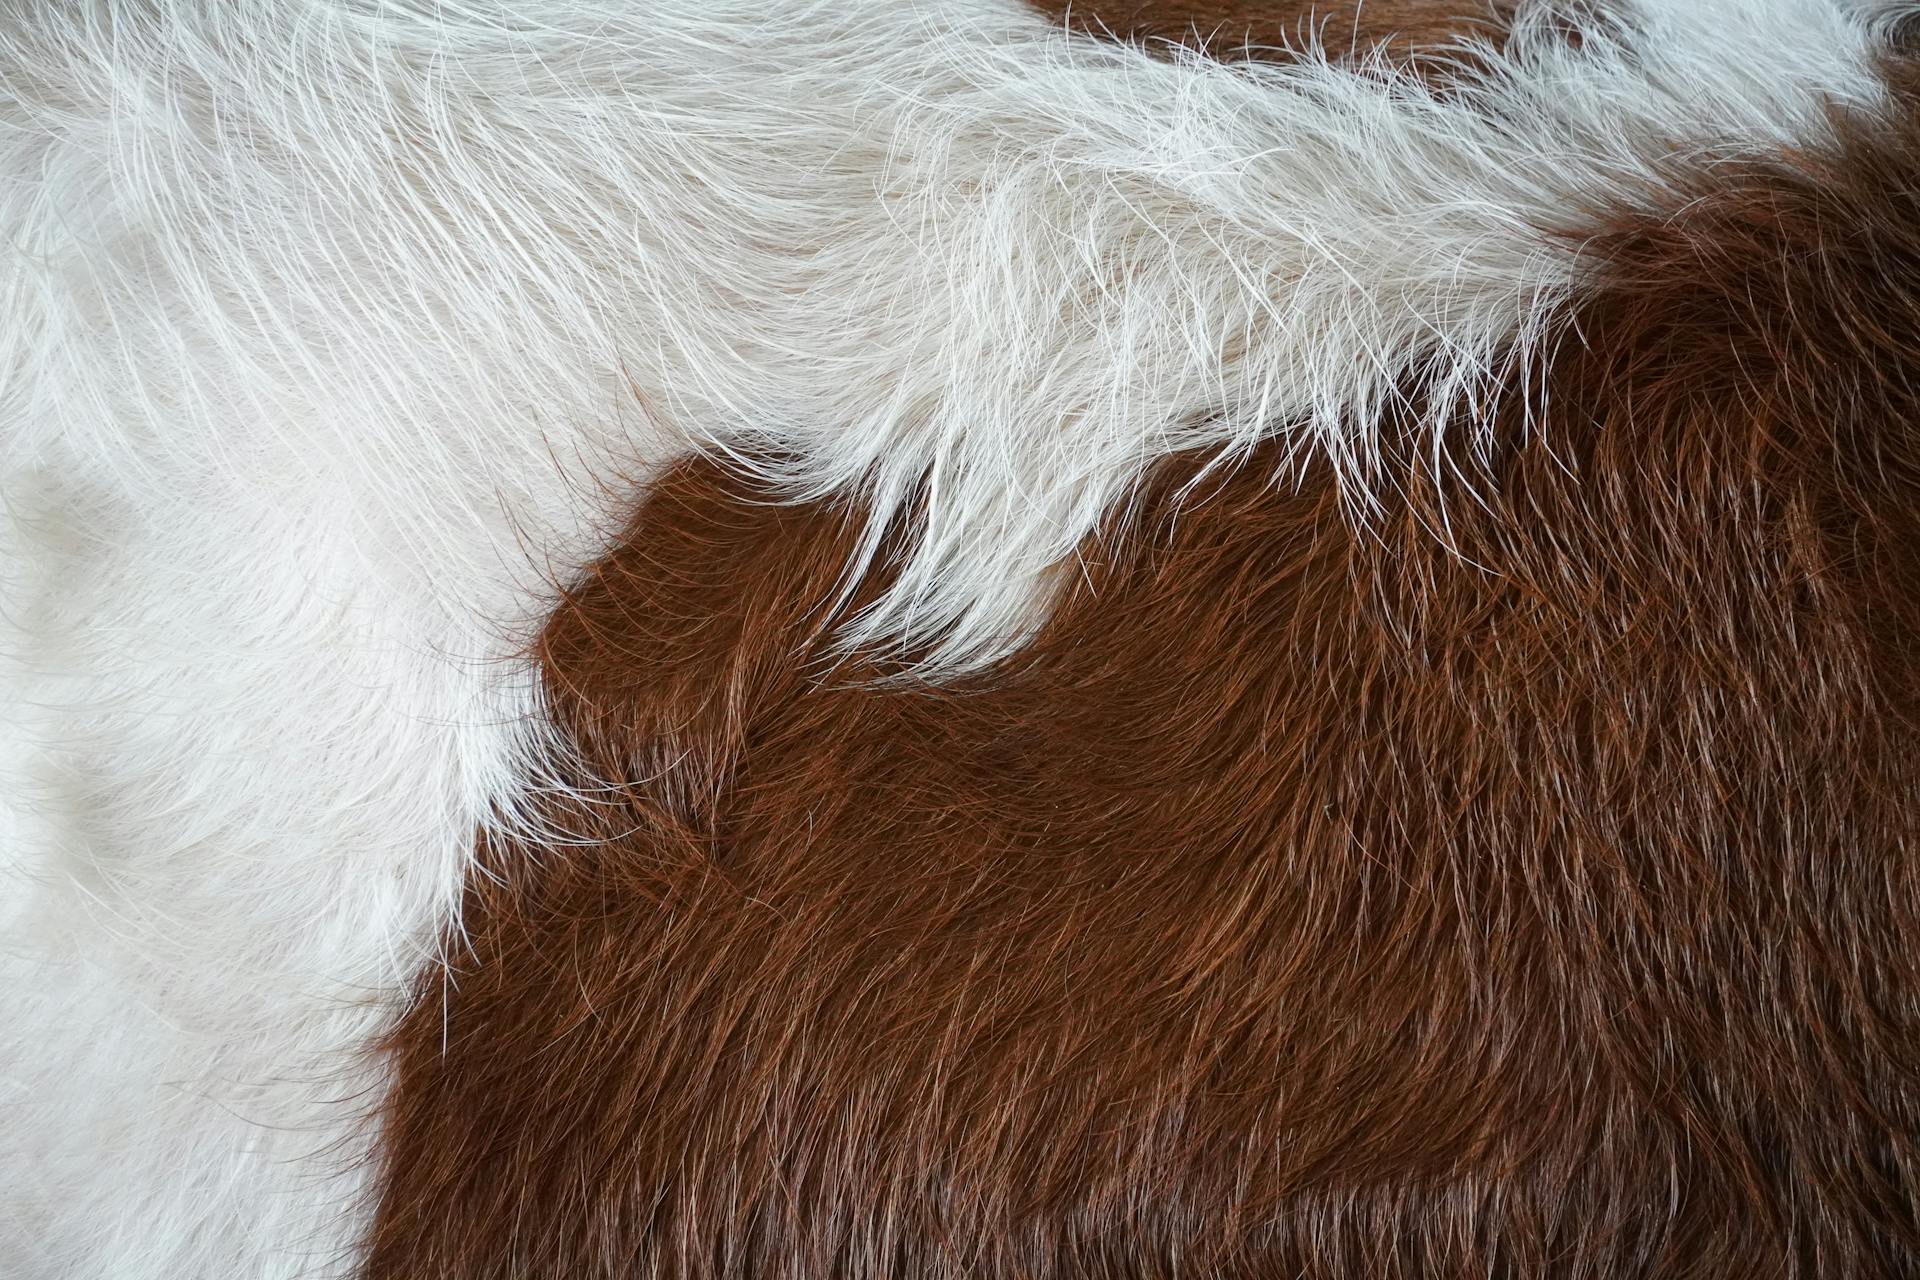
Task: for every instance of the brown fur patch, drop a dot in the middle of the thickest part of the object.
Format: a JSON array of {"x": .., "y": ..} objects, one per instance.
[
  {"x": 1401, "y": 29},
  {"x": 1522, "y": 884}
]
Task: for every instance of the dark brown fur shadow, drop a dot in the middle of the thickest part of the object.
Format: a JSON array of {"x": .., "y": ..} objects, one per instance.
[{"x": 1404, "y": 31}]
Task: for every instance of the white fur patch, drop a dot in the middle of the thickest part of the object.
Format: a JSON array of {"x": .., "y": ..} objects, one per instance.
[{"x": 332, "y": 332}]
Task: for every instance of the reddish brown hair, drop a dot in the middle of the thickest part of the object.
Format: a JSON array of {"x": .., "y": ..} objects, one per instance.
[
  {"x": 1516, "y": 882},
  {"x": 1402, "y": 29}
]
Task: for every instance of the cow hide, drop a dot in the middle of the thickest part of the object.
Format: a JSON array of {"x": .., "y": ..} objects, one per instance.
[{"x": 937, "y": 639}]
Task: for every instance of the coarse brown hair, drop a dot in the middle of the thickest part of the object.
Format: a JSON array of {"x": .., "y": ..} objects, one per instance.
[
  {"x": 1515, "y": 880},
  {"x": 1400, "y": 30}
]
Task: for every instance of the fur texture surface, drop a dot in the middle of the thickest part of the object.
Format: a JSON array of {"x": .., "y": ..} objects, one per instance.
[
  {"x": 339, "y": 338},
  {"x": 1406, "y": 31}
]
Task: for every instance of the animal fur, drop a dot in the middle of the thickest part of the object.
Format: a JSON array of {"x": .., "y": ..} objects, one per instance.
[{"x": 921, "y": 639}]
